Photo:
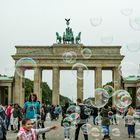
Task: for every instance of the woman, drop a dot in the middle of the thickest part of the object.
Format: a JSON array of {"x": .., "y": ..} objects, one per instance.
[{"x": 32, "y": 107}]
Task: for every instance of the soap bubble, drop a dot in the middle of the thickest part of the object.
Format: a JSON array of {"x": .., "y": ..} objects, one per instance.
[
  {"x": 95, "y": 21},
  {"x": 23, "y": 64},
  {"x": 86, "y": 53},
  {"x": 69, "y": 57},
  {"x": 122, "y": 98},
  {"x": 126, "y": 11},
  {"x": 79, "y": 66},
  {"x": 134, "y": 23}
]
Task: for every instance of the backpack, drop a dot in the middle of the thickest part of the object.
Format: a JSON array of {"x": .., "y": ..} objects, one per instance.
[{"x": 82, "y": 112}]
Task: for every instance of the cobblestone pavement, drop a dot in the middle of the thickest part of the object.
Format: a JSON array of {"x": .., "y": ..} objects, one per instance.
[{"x": 117, "y": 132}]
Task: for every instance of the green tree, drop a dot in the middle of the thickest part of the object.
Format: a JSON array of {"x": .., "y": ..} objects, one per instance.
[{"x": 46, "y": 92}]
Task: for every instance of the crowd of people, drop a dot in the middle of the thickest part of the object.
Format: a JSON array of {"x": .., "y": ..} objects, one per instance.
[{"x": 28, "y": 121}]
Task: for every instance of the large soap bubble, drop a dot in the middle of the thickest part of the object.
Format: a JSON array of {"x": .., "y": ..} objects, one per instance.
[
  {"x": 79, "y": 66},
  {"x": 122, "y": 98},
  {"x": 86, "y": 53},
  {"x": 100, "y": 100},
  {"x": 69, "y": 57},
  {"x": 23, "y": 64}
]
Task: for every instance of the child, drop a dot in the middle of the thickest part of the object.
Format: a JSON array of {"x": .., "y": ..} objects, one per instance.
[
  {"x": 27, "y": 132},
  {"x": 67, "y": 124},
  {"x": 130, "y": 122}
]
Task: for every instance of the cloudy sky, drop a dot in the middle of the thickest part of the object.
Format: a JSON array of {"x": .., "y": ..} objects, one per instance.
[{"x": 102, "y": 22}]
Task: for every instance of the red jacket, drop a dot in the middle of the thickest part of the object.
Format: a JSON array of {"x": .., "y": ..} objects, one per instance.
[{"x": 8, "y": 111}]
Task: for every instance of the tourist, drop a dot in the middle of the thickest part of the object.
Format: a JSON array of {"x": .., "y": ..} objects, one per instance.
[
  {"x": 17, "y": 114},
  {"x": 105, "y": 119},
  {"x": 94, "y": 114},
  {"x": 114, "y": 110},
  {"x": 83, "y": 120},
  {"x": 130, "y": 122},
  {"x": 43, "y": 117},
  {"x": 27, "y": 132},
  {"x": 52, "y": 112},
  {"x": 66, "y": 120},
  {"x": 32, "y": 107},
  {"x": 57, "y": 111},
  {"x": 8, "y": 115},
  {"x": 12, "y": 119}
]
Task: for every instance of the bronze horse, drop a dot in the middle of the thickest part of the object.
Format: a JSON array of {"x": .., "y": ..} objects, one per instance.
[
  {"x": 78, "y": 38},
  {"x": 58, "y": 38}
]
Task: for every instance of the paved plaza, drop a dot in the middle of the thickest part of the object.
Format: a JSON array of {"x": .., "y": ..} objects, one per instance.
[{"x": 117, "y": 132}]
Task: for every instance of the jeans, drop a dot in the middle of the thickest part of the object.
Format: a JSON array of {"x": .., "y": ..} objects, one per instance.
[
  {"x": 94, "y": 120},
  {"x": 66, "y": 132},
  {"x": 105, "y": 129},
  {"x": 131, "y": 129},
  {"x": 7, "y": 122}
]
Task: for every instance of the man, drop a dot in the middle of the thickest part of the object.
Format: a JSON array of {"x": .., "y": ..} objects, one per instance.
[
  {"x": 83, "y": 120},
  {"x": 8, "y": 115}
]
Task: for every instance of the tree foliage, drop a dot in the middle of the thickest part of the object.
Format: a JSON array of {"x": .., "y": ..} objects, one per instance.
[{"x": 46, "y": 92}]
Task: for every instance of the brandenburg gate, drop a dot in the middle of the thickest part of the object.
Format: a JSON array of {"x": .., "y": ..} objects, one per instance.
[{"x": 50, "y": 57}]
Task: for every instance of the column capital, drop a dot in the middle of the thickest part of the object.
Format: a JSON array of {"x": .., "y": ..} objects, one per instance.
[
  {"x": 55, "y": 67},
  {"x": 98, "y": 67}
]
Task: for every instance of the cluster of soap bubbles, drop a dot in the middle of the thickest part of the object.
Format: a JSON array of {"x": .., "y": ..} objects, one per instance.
[
  {"x": 72, "y": 117},
  {"x": 70, "y": 57},
  {"x": 121, "y": 99},
  {"x": 88, "y": 129},
  {"x": 23, "y": 64}
]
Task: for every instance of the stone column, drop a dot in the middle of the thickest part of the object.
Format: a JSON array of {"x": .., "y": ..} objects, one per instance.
[
  {"x": 55, "y": 86},
  {"x": 18, "y": 93},
  {"x": 116, "y": 78},
  {"x": 80, "y": 83},
  {"x": 37, "y": 83},
  {"x": 98, "y": 77},
  {"x": 9, "y": 94},
  {"x": 116, "y": 81}
]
